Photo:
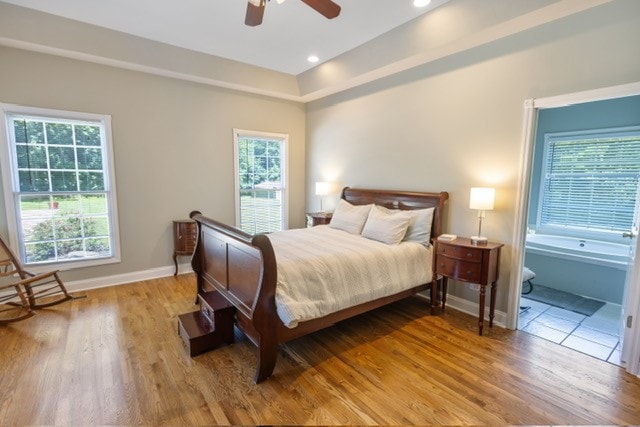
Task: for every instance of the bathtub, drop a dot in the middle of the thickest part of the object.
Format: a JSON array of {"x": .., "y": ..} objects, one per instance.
[
  {"x": 589, "y": 268},
  {"x": 607, "y": 254}
]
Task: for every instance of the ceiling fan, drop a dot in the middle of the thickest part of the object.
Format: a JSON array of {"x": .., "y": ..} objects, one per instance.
[{"x": 255, "y": 10}]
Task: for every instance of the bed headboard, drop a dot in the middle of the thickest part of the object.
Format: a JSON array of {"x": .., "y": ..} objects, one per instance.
[{"x": 405, "y": 200}]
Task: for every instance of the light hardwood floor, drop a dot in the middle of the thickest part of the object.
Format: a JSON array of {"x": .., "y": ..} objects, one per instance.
[{"x": 115, "y": 358}]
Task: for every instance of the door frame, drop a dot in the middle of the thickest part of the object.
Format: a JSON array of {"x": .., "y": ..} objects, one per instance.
[{"x": 531, "y": 108}]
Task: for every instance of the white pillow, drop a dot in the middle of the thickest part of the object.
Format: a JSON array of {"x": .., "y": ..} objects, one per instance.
[
  {"x": 420, "y": 226},
  {"x": 349, "y": 217},
  {"x": 385, "y": 227},
  {"x": 420, "y": 221}
]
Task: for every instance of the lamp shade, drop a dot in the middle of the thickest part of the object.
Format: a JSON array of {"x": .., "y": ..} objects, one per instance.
[
  {"x": 482, "y": 198},
  {"x": 322, "y": 188}
]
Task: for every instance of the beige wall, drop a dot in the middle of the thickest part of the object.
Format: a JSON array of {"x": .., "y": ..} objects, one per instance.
[
  {"x": 172, "y": 140},
  {"x": 457, "y": 122}
]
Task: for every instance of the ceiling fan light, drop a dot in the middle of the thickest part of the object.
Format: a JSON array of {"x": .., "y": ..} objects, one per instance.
[{"x": 421, "y": 3}]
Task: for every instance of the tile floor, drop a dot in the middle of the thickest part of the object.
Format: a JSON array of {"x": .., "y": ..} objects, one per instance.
[{"x": 596, "y": 335}]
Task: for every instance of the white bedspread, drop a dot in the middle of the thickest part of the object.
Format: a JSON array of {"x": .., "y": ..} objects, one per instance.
[{"x": 322, "y": 270}]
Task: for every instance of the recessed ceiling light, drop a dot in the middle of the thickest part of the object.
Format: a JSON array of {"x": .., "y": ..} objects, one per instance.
[
  {"x": 421, "y": 3},
  {"x": 313, "y": 58}
]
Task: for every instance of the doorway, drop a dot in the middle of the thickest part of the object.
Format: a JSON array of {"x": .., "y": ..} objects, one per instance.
[
  {"x": 586, "y": 165},
  {"x": 540, "y": 114}
]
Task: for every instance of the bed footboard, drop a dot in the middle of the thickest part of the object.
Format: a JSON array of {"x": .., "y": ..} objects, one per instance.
[{"x": 242, "y": 268}]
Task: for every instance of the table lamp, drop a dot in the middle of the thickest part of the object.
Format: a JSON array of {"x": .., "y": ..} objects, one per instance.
[
  {"x": 481, "y": 199},
  {"x": 322, "y": 189}
]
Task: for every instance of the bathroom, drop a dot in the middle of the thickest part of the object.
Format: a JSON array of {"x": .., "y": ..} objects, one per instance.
[{"x": 582, "y": 207}]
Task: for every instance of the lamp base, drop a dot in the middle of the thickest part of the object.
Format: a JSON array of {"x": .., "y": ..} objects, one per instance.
[{"x": 478, "y": 240}]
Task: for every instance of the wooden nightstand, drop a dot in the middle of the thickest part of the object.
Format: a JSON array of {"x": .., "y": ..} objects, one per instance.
[
  {"x": 318, "y": 218},
  {"x": 474, "y": 263},
  {"x": 184, "y": 239}
]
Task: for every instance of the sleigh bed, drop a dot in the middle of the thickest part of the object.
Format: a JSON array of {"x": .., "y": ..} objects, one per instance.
[{"x": 245, "y": 271}]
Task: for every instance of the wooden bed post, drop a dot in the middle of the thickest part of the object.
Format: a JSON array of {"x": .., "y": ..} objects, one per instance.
[
  {"x": 265, "y": 317},
  {"x": 267, "y": 356},
  {"x": 196, "y": 258}
]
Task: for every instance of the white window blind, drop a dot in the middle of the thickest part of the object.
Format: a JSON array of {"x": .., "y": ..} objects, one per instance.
[{"x": 590, "y": 180}]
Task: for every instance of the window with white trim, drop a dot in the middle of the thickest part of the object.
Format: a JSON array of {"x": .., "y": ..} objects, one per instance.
[
  {"x": 590, "y": 182},
  {"x": 59, "y": 187},
  {"x": 260, "y": 178}
]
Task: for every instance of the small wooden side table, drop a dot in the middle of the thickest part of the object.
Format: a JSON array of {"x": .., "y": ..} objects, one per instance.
[
  {"x": 318, "y": 218},
  {"x": 184, "y": 239},
  {"x": 462, "y": 260}
]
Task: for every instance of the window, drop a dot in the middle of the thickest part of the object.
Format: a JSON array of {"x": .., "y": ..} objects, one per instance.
[
  {"x": 59, "y": 187},
  {"x": 261, "y": 190},
  {"x": 590, "y": 182}
]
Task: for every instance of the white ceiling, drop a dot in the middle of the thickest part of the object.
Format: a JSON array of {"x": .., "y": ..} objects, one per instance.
[{"x": 290, "y": 31}]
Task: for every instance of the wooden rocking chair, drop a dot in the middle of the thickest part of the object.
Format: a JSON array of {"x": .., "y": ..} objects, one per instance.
[
  {"x": 40, "y": 290},
  {"x": 13, "y": 303}
]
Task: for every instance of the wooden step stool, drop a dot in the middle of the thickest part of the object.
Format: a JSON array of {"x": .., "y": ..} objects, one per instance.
[{"x": 209, "y": 327}]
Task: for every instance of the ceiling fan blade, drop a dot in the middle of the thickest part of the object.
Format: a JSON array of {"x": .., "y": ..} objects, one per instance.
[
  {"x": 254, "y": 13},
  {"x": 325, "y": 7}
]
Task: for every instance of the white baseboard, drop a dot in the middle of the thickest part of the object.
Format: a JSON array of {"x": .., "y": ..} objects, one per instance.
[
  {"x": 454, "y": 302},
  {"x": 121, "y": 279},
  {"x": 471, "y": 308}
]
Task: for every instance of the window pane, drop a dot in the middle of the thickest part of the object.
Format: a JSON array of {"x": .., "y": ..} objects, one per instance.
[
  {"x": 32, "y": 181},
  {"x": 98, "y": 247},
  {"x": 89, "y": 158},
  {"x": 259, "y": 148},
  {"x": 246, "y": 181},
  {"x": 67, "y": 227},
  {"x": 40, "y": 252},
  {"x": 91, "y": 181},
  {"x": 96, "y": 226},
  {"x": 94, "y": 204},
  {"x": 69, "y": 249},
  {"x": 33, "y": 205},
  {"x": 66, "y": 205},
  {"x": 62, "y": 158},
  {"x": 27, "y": 131},
  {"x": 88, "y": 135},
  {"x": 273, "y": 149},
  {"x": 20, "y": 131},
  {"x": 31, "y": 156},
  {"x": 259, "y": 179},
  {"x": 59, "y": 133},
  {"x": 243, "y": 148},
  {"x": 273, "y": 167},
  {"x": 36, "y": 230},
  {"x": 260, "y": 164},
  {"x": 64, "y": 181}
]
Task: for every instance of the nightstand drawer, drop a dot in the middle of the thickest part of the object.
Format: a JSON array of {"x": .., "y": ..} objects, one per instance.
[
  {"x": 184, "y": 234},
  {"x": 189, "y": 240},
  {"x": 460, "y": 270},
  {"x": 460, "y": 252}
]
